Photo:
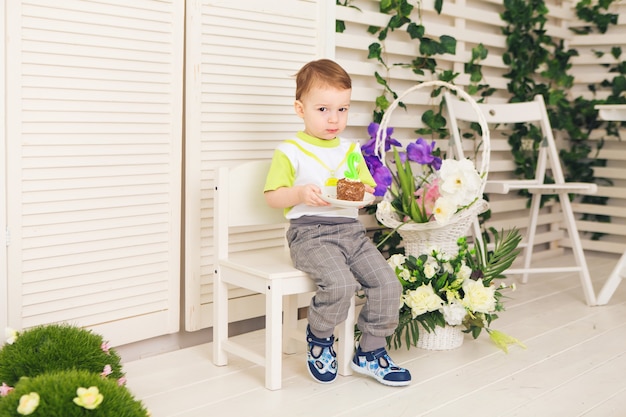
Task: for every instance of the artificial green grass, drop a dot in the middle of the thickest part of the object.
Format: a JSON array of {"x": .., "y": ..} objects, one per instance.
[
  {"x": 56, "y": 347},
  {"x": 57, "y": 391}
]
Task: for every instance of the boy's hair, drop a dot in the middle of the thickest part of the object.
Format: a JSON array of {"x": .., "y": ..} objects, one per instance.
[{"x": 321, "y": 73}]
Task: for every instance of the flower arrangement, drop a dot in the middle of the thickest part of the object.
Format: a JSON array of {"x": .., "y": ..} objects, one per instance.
[
  {"x": 438, "y": 190},
  {"x": 60, "y": 369},
  {"x": 459, "y": 290}
]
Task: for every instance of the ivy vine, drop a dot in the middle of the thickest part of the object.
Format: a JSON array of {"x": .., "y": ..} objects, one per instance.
[{"x": 537, "y": 65}]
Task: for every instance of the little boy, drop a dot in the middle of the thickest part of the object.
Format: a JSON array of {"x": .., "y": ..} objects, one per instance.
[{"x": 328, "y": 242}]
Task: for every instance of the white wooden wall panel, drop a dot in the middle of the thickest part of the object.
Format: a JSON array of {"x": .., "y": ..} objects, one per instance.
[
  {"x": 241, "y": 58},
  {"x": 589, "y": 68},
  {"x": 94, "y": 117},
  {"x": 470, "y": 22}
]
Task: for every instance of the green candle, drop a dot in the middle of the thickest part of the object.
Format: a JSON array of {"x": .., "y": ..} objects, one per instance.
[{"x": 353, "y": 162}]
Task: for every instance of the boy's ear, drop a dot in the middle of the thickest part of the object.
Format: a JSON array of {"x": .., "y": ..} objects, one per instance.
[{"x": 299, "y": 108}]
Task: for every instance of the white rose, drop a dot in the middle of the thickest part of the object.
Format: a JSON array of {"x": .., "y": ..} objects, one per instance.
[
  {"x": 396, "y": 261},
  {"x": 422, "y": 300},
  {"x": 479, "y": 298},
  {"x": 405, "y": 274},
  {"x": 465, "y": 272},
  {"x": 430, "y": 267}
]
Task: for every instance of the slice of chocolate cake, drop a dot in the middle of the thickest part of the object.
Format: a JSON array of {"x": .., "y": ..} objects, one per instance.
[{"x": 350, "y": 190}]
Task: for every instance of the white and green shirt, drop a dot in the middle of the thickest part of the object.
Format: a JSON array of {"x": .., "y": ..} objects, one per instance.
[{"x": 309, "y": 160}]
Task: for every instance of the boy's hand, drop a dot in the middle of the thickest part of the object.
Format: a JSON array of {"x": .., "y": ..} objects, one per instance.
[{"x": 310, "y": 195}]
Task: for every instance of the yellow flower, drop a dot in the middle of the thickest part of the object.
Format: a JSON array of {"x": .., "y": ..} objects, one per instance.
[
  {"x": 11, "y": 335},
  {"x": 478, "y": 298},
  {"x": 28, "y": 403},
  {"x": 503, "y": 340},
  {"x": 89, "y": 398}
]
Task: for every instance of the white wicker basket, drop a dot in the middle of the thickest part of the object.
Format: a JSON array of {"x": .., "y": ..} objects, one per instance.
[
  {"x": 442, "y": 338},
  {"x": 418, "y": 238}
]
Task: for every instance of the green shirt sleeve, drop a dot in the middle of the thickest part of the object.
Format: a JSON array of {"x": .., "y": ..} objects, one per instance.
[{"x": 281, "y": 173}]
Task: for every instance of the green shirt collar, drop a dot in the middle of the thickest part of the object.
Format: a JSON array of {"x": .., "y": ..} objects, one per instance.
[{"x": 333, "y": 143}]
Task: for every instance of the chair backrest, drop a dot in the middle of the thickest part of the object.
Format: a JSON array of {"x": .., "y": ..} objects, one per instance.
[
  {"x": 526, "y": 112},
  {"x": 241, "y": 186},
  {"x": 239, "y": 202}
]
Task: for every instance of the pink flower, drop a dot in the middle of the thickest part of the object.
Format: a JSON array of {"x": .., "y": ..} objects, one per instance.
[
  {"x": 5, "y": 389},
  {"x": 121, "y": 381},
  {"x": 105, "y": 346},
  {"x": 107, "y": 371},
  {"x": 428, "y": 200}
]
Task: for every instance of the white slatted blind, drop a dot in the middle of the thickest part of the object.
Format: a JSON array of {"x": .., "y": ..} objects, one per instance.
[
  {"x": 241, "y": 57},
  {"x": 94, "y": 173}
]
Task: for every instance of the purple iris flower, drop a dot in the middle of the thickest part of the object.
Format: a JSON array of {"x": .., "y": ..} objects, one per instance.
[
  {"x": 380, "y": 173},
  {"x": 370, "y": 147},
  {"x": 422, "y": 152}
]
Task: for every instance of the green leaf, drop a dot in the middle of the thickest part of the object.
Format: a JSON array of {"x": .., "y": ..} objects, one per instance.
[
  {"x": 416, "y": 31},
  {"x": 374, "y": 51},
  {"x": 438, "y": 6},
  {"x": 448, "y": 44}
]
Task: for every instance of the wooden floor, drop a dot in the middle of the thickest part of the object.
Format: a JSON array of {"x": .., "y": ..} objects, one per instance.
[{"x": 574, "y": 365}]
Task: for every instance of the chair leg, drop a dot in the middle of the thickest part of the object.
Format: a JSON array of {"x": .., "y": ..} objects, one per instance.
[
  {"x": 220, "y": 321},
  {"x": 290, "y": 324},
  {"x": 530, "y": 235},
  {"x": 611, "y": 284},
  {"x": 345, "y": 348},
  {"x": 273, "y": 337},
  {"x": 577, "y": 248}
]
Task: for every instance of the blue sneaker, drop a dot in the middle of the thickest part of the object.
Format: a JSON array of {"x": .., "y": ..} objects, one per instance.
[
  {"x": 379, "y": 366},
  {"x": 321, "y": 358}
]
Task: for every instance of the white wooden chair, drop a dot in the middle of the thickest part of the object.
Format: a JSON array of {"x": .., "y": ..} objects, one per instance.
[
  {"x": 239, "y": 206},
  {"x": 548, "y": 159}
]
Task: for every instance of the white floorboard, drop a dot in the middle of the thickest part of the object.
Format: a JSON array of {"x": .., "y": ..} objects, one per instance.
[{"x": 574, "y": 365}]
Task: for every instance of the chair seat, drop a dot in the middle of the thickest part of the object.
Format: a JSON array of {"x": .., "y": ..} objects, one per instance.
[
  {"x": 252, "y": 269},
  {"x": 505, "y": 186}
]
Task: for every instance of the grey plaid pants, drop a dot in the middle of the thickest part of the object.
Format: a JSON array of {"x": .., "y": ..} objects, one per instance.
[{"x": 341, "y": 259}]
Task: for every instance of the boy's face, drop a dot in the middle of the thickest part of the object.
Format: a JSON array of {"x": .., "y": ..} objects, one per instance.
[{"x": 324, "y": 111}]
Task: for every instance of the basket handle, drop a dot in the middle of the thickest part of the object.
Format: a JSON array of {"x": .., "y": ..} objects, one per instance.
[{"x": 380, "y": 143}]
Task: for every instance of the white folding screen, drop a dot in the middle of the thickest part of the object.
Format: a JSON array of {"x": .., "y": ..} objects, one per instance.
[
  {"x": 241, "y": 57},
  {"x": 94, "y": 138},
  {"x": 4, "y": 296}
]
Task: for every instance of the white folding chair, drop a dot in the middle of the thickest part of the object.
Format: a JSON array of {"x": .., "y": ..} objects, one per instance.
[
  {"x": 548, "y": 159},
  {"x": 239, "y": 205}
]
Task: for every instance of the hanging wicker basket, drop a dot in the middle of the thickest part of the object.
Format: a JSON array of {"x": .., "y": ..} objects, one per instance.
[{"x": 418, "y": 238}]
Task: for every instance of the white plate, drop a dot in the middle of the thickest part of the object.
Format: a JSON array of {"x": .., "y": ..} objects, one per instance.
[{"x": 330, "y": 196}]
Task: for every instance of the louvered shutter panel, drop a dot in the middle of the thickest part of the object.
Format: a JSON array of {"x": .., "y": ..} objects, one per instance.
[
  {"x": 94, "y": 174},
  {"x": 241, "y": 57}
]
